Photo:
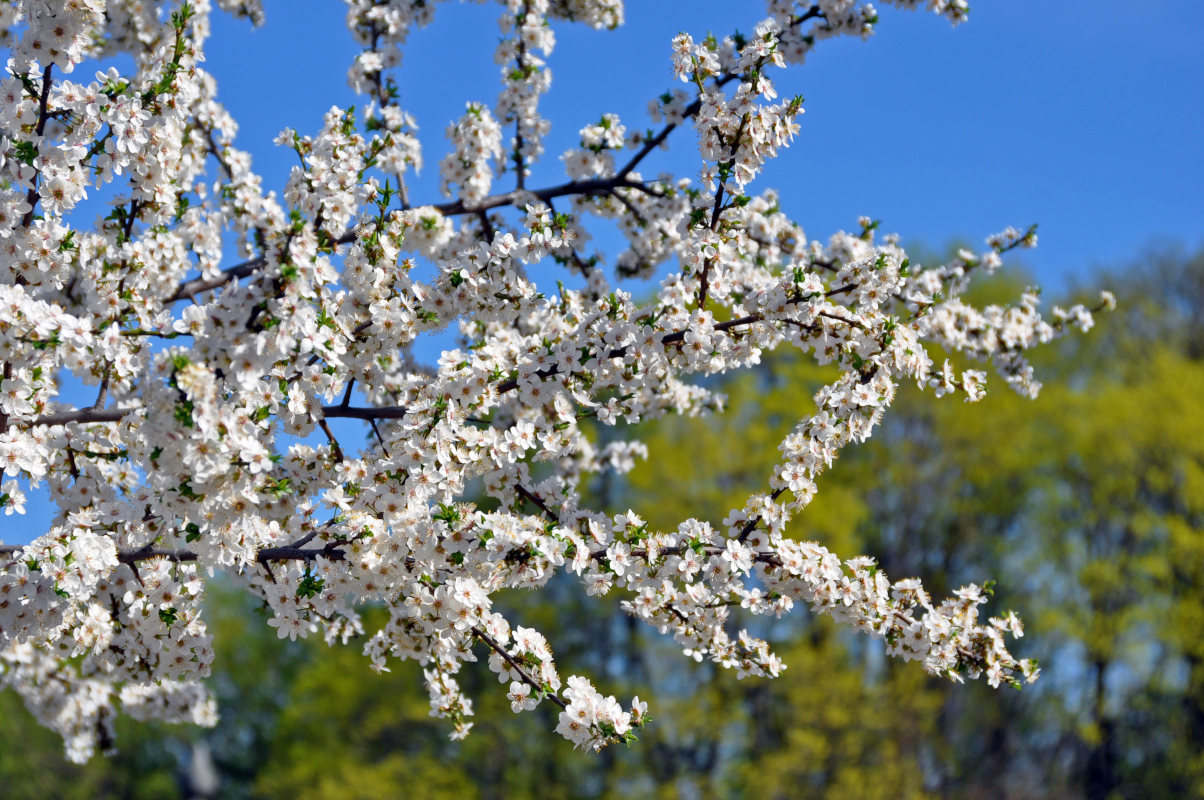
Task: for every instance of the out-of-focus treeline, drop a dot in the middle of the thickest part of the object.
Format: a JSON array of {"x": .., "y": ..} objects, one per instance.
[{"x": 1087, "y": 507}]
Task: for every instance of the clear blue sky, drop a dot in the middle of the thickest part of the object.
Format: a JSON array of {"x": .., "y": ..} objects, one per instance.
[{"x": 1083, "y": 117}]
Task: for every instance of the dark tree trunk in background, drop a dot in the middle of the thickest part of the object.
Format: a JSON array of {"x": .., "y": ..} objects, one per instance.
[{"x": 1100, "y": 778}]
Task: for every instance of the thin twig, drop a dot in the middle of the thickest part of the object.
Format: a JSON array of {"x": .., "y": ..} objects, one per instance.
[{"x": 478, "y": 632}]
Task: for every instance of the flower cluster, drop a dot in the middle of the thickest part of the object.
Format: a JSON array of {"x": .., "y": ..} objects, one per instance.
[
  {"x": 738, "y": 136},
  {"x": 215, "y": 439},
  {"x": 477, "y": 140}
]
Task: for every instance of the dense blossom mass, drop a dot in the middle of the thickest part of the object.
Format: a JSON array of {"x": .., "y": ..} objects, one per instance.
[{"x": 221, "y": 328}]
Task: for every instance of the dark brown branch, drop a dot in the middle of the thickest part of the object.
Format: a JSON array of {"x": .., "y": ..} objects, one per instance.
[
  {"x": 31, "y": 197},
  {"x": 486, "y": 226},
  {"x": 592, "y": 186},
  {"x": 635, "y": 212},
  {"x": 334, "y": 443},
  {"x": 5, "y": 374},
  {"x": 148, "y": 552},
  {"x": 379, "y": 438},
  {"x": 656, "y": 141},
  {"x": 190, "y": 289},
  {"x": 403, "y": 192},
  {"x": 124, "y": 556},
  {"x": 535, "y": 499},
  {"x": 291, "y": 552},
  {"x": 83, "y": 415},
  {"x": 216, "y": 151},
  {"x": 520, "y": 165},
  {"x": 752, "y": 524},
  {"x": 332, "y": 551},
  {"x": 520, "y": 58},
  {"x": 368, "y": 413},
  {"x": 478, "y": 632},
  {"x": 104, "y": 388},
  {"x": 811, "y": 13},
  {"x": 87, "y": 415}
]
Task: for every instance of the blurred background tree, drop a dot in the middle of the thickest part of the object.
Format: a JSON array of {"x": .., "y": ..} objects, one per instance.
[{"x": 1087, "y": 506}]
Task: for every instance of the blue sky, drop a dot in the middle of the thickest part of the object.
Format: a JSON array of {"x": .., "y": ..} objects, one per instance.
[{"x": 1082, "y": 117}]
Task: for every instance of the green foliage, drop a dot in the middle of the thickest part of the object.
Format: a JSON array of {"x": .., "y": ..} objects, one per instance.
[
  {"x": 825, "y": 731},
  {"x": 32, "y": 763}
]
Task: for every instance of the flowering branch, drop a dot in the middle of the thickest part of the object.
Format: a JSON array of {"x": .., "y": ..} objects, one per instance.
[{"x": 209, "y": 445}]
